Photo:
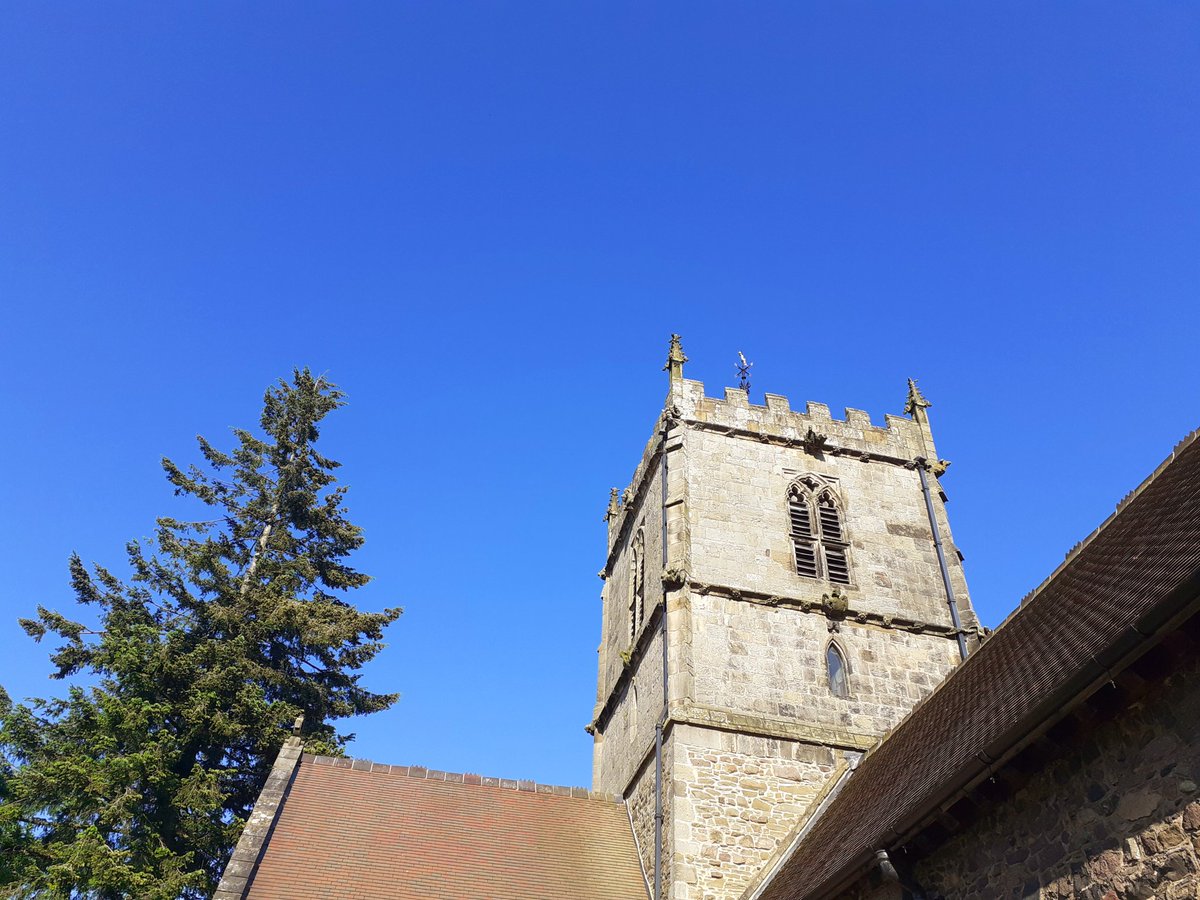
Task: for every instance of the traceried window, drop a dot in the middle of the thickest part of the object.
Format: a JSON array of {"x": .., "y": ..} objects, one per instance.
[
  {"x": 818, "y": 537},
  {"x": 839, "y": 675},
  {"x": 637, "y": 583}
]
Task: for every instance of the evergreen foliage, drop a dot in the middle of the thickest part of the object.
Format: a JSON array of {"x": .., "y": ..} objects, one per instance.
[{"x": 137, "y": 783}]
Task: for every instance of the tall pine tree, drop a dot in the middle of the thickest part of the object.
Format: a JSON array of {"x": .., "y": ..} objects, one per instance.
[{"x": 138, "y": 782}]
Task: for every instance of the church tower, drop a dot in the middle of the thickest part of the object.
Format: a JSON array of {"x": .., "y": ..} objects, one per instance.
[{"x": 780, "y": 589}]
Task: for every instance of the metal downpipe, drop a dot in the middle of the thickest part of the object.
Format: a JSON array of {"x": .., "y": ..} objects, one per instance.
[
  {"x": 658, "y": 727},
  {"x": 922, "y": 464}
]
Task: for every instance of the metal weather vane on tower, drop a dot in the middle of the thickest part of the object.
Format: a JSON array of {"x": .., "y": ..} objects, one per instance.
[{"x": 743, "y": 371}]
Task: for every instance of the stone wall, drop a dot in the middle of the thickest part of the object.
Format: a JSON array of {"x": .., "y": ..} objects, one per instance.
[
  {"x": 1116, "y": 816},
  {"x": 628, "y": 734},
  {"x": 629, "y": 696},
  {"x": 642, "y": 513},
  {"x": 771, "y": 661},
  {"x": 738, "y": 512},
  {"x": 736, "y": 797}
]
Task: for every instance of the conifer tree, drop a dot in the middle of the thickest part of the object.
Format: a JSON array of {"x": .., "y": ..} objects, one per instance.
[{"x": 137, "y": 783}]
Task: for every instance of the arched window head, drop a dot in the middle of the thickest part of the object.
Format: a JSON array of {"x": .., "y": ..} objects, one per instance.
[
  {"x": 818, "y": 537},
  {"x": 836, "y": 668},
  {"x": 637, "y": 583}
]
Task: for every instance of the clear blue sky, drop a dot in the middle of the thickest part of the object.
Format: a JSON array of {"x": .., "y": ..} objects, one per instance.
[{"x": 483, "y": 220}]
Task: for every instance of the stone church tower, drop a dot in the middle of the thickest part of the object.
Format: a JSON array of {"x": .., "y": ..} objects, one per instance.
[{"x": 775, "y": 600}]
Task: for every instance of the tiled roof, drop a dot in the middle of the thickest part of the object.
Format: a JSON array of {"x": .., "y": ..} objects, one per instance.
[
  {"x": 355, "y": 830},
  {"x": 1107, "y": 600}
]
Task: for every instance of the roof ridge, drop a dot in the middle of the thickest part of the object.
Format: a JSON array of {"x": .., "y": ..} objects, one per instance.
[{"x": 427, "y": 774}]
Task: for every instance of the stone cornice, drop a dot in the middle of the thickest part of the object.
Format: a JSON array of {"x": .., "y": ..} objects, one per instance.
[
  {"x": 806, "y": 443},
  {"x": 834, "y": 606},
  {"x": 774, "y": 727},
  {"x": 687, "y": 713}
]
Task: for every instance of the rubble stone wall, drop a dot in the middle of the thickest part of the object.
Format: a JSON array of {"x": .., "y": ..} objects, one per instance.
[
  {"x": 735, "y": 798},
  {"x": 1116, "y": 816}
]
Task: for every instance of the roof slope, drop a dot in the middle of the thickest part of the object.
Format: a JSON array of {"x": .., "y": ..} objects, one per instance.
[
  {"x": 1113, "y": 593},
  {"x": 365, "y": 831}
]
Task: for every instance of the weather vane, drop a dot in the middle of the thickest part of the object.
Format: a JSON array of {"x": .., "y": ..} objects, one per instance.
[{"x": 743, "y": 370}]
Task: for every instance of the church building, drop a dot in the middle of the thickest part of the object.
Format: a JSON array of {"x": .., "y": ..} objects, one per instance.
[{"x": 795, "y": 700}]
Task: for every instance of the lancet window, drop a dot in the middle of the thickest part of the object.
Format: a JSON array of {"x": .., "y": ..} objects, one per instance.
[
  {"x": 637, "y": 583},
  {"x": 818, "y": 535},
  {"x": 838, "y": 671}
]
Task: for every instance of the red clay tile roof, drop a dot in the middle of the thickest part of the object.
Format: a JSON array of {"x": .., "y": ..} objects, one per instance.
[
  {"x": 360, "y": 831},
  {"x": 1110, "y": 597}
]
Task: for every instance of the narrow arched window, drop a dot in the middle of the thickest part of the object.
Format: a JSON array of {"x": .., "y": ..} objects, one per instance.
[
  {"x": 637, "y": 583},
  {"x": 839, "y": 676},
  {"x": 818, "y": 536}
]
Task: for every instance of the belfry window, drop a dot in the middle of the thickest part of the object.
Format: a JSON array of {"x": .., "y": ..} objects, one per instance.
[
  {"x": 803, "y": 538},
  {"x": 637, "y": 583},
  {"x": 818, "y": 538},
  {"x": 835, "y": 665}
]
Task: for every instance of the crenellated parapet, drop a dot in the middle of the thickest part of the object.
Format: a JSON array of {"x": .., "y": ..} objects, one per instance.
[{"x": 900, "y": 439}]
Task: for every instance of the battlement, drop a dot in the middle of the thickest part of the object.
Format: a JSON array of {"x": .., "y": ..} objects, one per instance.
[{"x": 900, "y": 438}]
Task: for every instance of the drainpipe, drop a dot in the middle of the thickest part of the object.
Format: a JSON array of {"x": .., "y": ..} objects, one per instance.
[
  {"x": 658, "y": 727},
  {"x": 922, "y": 464}
]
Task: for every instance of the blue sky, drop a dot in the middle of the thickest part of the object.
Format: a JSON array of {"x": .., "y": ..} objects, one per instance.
[{"x": 483, "y": 220}]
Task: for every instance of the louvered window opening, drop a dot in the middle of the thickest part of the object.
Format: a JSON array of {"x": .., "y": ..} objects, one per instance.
[
  {"x": 819, "y": 544},
  {"x": 803, "y": 538}
]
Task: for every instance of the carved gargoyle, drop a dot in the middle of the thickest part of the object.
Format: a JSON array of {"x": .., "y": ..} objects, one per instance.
[
  {"x": 814, "y": 442},
  {"x": 673, "y": 578},
  {"x": 613, "y": 505},
  {"x": 835, "y": 603}
]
